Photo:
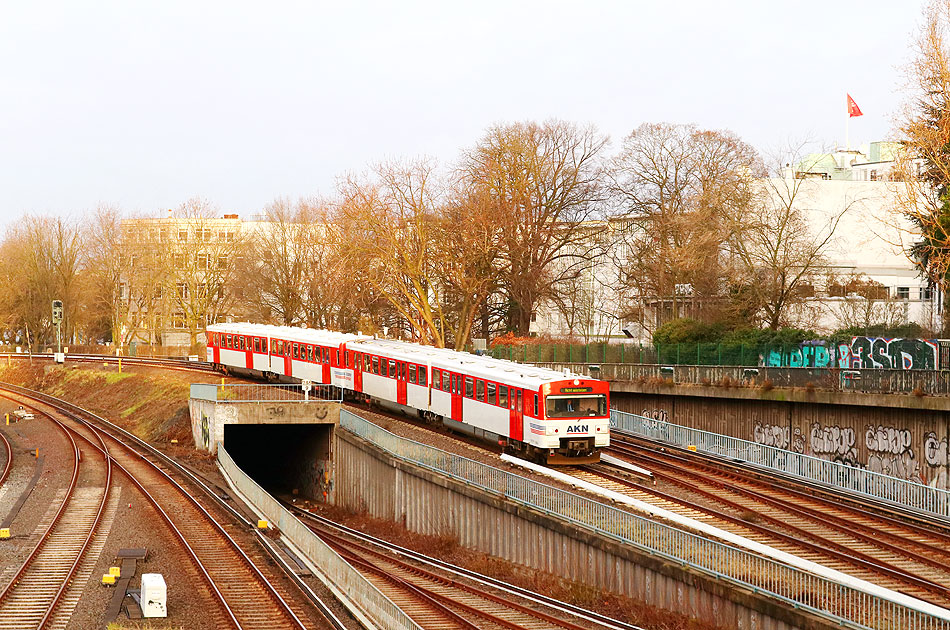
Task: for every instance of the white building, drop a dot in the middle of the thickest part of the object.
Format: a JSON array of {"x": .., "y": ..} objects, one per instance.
[{"x": 866, "y": 278}]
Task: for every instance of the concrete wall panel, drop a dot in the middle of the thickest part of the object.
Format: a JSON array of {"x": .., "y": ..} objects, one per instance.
[{"x": 370, "y": 480}]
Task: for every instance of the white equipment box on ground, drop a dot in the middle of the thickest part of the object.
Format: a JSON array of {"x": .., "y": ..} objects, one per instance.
[{"x": 154, "y": 595}]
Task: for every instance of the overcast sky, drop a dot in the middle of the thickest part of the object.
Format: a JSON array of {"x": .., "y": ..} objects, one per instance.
[{"x": 145, "y": 104}]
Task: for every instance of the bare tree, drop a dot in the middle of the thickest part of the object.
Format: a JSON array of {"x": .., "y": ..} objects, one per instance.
[
  {"x": 675, "y": 188},
  {"x": 865, "y": 303},
  {"x": 543, "y": 181},
  {"x": 778, "y": 244},
  {"x": 201, "y": 261},
  {"x": 391, "y": 223}
]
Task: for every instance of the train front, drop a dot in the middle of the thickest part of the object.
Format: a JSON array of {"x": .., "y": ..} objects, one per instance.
[{"x": 576, "y": 420}]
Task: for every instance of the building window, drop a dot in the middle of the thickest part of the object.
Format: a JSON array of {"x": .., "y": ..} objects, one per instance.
[
  {"x": 122, "y": 291},
  {"x": 183, "y": 236},
  {"x": 903, "y": 293},
  {"x": 202, "y": 261},
  {"x": 222, "y": 262},
  {"x": 182, "y": 289},
  {"x": 926, "y": 294}
]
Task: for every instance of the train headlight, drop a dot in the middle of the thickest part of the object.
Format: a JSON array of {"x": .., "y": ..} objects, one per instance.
[{"x": 577, "y": 382}]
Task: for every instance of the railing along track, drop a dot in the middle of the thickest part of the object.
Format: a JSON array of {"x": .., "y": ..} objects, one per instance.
[
  {"x": 917, "y": 557},
  {"x": 31, "y": 596},
  {"x": 247, "y": 598}
]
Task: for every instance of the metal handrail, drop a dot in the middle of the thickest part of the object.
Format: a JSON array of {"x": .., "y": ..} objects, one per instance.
[
  {"x": 848, "y": 606},
  {"x": 916, "y": 496},
  {"x": 383, "y": 612}
]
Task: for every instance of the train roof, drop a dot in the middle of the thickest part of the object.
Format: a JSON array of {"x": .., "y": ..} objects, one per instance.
[
  {"x": 501, "y": 370},
  {"x": 302, "y": 335}
]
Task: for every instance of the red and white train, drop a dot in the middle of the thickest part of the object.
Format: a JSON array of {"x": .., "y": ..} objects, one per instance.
[{"x": 542, "y": 414}]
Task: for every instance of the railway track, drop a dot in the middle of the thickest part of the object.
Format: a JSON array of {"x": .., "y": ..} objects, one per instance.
[
  {"x": 879, "y": 548},
  {"x": 246, "y": 591},
  {"x": 440, "y": 595},
  {"x": 31, "y": 597},
  {"x": 7, "y": 457}
]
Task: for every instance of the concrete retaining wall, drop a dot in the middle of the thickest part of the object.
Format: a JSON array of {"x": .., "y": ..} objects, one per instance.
[
  {"x": 371, "y": 480},
  {"x": 909, "y": 443}
]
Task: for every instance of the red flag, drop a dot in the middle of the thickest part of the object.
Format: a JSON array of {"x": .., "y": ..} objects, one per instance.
[{"x": 853, "y": 109}]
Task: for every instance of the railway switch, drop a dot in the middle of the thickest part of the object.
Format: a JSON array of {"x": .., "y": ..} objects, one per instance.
[
  {"x": 108, "y": 580},
  {"x": 5, "y": 532}
]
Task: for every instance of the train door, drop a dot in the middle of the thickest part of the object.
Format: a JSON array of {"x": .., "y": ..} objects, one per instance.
[
  {"x": 401, "y": 383},
  {"x": 356, "y": 360},
  {"x": 248, "y": 352},
  {"x": 327, "y": 362},
  {"x": 216, "y": 348},
  {"x": 288, "y": 362},
  {"x": 456, "y": 383},
  {"x": 516, "y": 418}
]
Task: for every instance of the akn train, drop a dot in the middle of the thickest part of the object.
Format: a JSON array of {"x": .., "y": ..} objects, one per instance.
[{"x": 542, "y": 414}]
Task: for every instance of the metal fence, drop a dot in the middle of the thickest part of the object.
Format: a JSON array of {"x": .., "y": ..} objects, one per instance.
[
  {"x": 840, "y": 603},
  {"x": 379, "y": 608},
  {"x": 870, "y": 380},
  {"x": 259, "y": 392},
  {"x": 638, "y": 353},
  {"x": 840, "y": 476}
]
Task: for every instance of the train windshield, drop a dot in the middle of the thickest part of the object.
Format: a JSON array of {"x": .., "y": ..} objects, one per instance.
[{"x": 576, "y": 406}]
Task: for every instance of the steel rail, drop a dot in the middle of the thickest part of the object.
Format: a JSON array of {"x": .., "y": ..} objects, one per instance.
[
  {"x": 262, "y": 580},
  {"x": 518, "y": 591},
  {"x": 872, "y": 534},
  {"x": 868, "y": 534},
  {"x": 8, "y": 463},
  {"x": 89, "y": 537},
  {"x": 45, "y": 536},
  {"x": 432, "y": 599},
  {"x": 827, "y": 547},
  {"x": 343, "y": 547}
]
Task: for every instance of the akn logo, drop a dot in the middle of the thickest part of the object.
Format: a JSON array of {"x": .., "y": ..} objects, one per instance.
[{"x": 579, "y": 428}]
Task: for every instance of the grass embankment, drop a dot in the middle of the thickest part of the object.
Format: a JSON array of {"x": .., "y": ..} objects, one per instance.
[{"x": 150, "y": 403}]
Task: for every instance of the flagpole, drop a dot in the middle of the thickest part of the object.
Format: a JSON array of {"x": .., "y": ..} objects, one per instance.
[{"x": 847, "y": 127}]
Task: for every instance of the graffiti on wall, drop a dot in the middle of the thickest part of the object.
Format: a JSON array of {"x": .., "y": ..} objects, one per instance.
[
  {"x": 777, "y": 436},
  {"x": 861, "y": 352},
  {"x": 656, "y": 414},
  {"x": 935, "y": 455},
  {"x": 890, "y": 453},
  {"x": 834, "y": 443},
  {"x": 897, "y": 354}
]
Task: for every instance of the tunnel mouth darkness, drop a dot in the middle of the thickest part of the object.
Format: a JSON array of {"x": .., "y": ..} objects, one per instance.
[{"x": 284, "y": 458}]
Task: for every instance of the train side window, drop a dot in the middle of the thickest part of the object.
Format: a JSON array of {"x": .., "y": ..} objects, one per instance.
[
  {"x": 375, "y": 365},
  {"x": 436, "y": 378},
  {"x": 412, "y": 373},
  {"x": 422, "y": 375},
  {"x": 503, "y": 395},
  {"x": 392, "y": 369},
  {"x": 491, "y": 394},
  {"x": 469, "y": 386},
  {"x": 287, "y": 349},
  {"x": 536, "y": 406},
  {"x": 257, "y": 344},
  {"x": 245, "y": 345},
  {"x": 227, "y": 341},
  {"x": 445, "y": 381},
  {"x": 480, "y": 390}
]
